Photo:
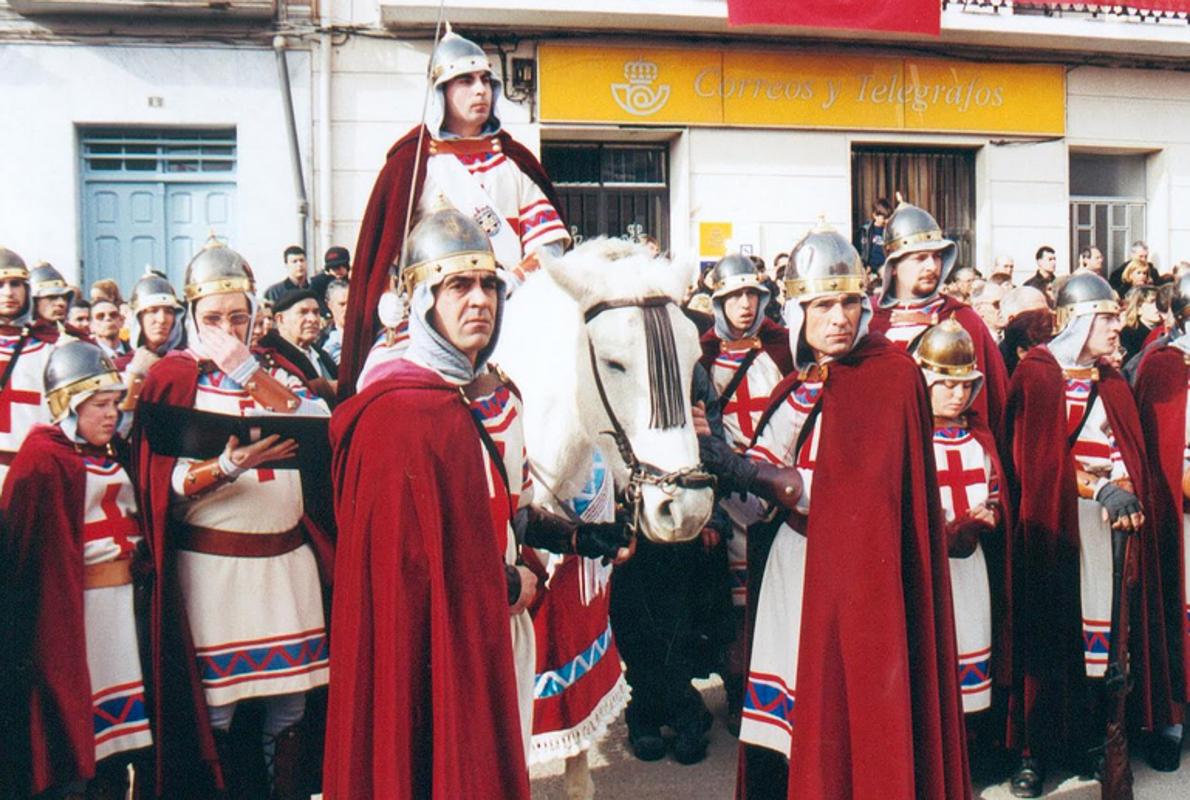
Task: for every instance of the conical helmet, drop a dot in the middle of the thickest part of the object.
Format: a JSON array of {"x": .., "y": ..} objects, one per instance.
[
  {"x": 948, "y": 351},
  {"x": 456, "y": 55},
  {"x": 442, "y": 244},
  {"x": 823, "y": 262},
  {"x": 153, "y": 291},
  {"x": 1179, "y": 303},
  {"x": 46, "y": 281},
  {"x": 75, "y": 371},
  {"x": 733, "y": 273},
  {"x": 1081, "y": 294},
  {"x": 217, "y": 269},
  {"x": 12, "y": 265}
]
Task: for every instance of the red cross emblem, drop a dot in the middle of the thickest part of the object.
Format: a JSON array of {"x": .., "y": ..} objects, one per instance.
[
  {"x": 10, "y": 396},
  {"x": 115, "y": 524},
  {"x": 262, "y": 475},
  {"x": 742, "y": 404},
  {"x": 958, "y": 479}
]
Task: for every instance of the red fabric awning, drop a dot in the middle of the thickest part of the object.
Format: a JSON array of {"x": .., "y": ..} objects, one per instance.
[{"x": 909, "y": 16}]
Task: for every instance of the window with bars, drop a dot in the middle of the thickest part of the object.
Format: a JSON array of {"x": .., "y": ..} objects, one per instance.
[
  {"x": 1107, "y": 205},
  {"x": 139, "y": 154},
  {"x": 611, "y": 189}
]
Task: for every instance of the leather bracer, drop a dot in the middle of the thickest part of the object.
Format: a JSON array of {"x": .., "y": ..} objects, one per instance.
[
  {"x": 271, "y": 394},
  {"x": 203, "y": 476}
]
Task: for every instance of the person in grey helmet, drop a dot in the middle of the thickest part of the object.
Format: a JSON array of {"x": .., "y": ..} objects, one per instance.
[
  {"x": 157, "y": 327},
  {"x": 463, "y": 159},
  {"x": 1081, "y": 476}
]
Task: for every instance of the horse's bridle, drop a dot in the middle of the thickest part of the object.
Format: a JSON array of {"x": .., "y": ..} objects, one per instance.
[{"x": 640, "y": 472}]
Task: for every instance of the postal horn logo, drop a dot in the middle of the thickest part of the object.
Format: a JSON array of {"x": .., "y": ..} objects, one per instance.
[{"x": 639, "y": 96}]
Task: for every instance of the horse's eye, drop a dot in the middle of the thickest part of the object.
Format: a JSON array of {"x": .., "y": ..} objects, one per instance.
[{"x": 615, "y": 366}]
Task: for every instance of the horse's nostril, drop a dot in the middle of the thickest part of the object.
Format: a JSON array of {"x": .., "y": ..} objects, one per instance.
[{"x": 665, "y": 511}]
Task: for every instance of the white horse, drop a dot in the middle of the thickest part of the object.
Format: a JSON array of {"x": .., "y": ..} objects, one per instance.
[
  {"x": 644, "y": 348},
  {"x": 607, "y": 306}
]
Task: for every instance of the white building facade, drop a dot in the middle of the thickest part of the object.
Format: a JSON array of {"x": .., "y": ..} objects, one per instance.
[{"x": 1016, "y": 127}]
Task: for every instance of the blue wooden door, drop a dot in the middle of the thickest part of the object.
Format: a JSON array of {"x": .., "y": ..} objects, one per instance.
[
  {"x": 125, "y": 230},
  {"x": 194, "y": 211}
]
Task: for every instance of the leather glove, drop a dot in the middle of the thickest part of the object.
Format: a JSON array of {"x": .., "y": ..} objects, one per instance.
[
  {"x": 601, "y": 540},
  {"x": 545, "y": 531},
  {"x": 1117, "y": 501},
  {"x": 963, "y": 534},
  {"x": 781, "y": 486},
  {"x": 513, "y": 577}
]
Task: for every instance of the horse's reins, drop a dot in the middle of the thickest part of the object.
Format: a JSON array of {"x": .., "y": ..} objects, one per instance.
[{"x": 640, "y": 472}]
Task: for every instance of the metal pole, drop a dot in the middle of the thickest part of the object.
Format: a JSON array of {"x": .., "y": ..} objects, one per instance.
[{"x": 299, "y": 181}]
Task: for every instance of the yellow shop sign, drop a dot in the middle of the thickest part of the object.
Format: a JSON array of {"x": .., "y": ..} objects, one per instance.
[{"x": 728, "y": 87}]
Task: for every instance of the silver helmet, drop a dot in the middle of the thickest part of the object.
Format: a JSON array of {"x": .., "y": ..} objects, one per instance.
[
  {"x": 456, "y": 55},
  {"x": 1082, "y": 294},
  {"x": 46, "y": 281},
  {"x": 442, "y": 244},
  {"x": 911, "y": 229},
  {"x": 153, "y": 291},
  {"x": 12, "y": 265},
  {"x": 823, "y": 262},
  {"x": 733, "y": 273},
  {"x": 217, "y": 269},
  {"x": 75, "y": 371},
  {"x": 1179, "y": 302}
]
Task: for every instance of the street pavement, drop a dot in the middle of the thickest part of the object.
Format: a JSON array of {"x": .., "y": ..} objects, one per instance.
[{"x": 618, "y": 774}]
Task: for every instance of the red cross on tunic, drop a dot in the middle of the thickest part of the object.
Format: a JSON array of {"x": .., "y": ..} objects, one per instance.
[
  {"x": 742, "y": 404},
  {"x": 958, "y": 479},
  {"x": 262, "y": 475},
  {"x": 115, "y": 524},
  {"x": 10, "y": 396}
]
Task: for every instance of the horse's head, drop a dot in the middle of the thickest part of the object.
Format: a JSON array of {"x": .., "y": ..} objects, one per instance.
[{"x": 634, "y": 373}]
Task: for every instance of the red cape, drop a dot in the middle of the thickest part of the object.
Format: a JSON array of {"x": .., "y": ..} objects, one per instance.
[
  {"x": 1161, "y": 398},
  {"x": 422, "y": 688},
  {"x": 878, "y": 709},
  {"x": 42, "y": 561},
  {"x": 989, "y": 404},
  {"x": 381, "y": 237},
  {"x": 1047, "y": 707},
  {"x": 774, "y": 339},
  {"x": 182, "y": 736}
]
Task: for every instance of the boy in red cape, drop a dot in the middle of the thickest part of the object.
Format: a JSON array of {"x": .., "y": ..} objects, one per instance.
[
  {"x": 69, "y": 554},
  {"x": 852, "y": 674},
  {"x": 1080, "y": 471},
  {"x": 1162, "y": 383},
  {"x": 460, "y": 158}
]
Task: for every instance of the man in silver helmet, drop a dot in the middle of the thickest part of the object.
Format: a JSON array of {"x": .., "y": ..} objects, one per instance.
[
  {"x": 51, "y": 294},
  {"x": 460, "y": 158},
  {"x": 1162, "y": 386},
  {"x": 852, "y": 682},
  {"x": 746, "y": 355},
  {"x": 25, "y": 343},
  {"x": 1081, "y": 475},
  {"x": 918, "y": 261},
  {"x": 235, "y": 535},
  {"x": 157, "y": 327},
  {"x": 432, "y": 490},
  {"x": 70, "y": 549}
]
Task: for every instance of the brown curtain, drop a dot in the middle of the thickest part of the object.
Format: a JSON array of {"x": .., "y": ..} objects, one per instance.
[{"x": 940, "y": 181}]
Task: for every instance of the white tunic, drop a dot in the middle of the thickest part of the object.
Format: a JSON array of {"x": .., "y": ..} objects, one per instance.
[
  {"x": 257, "y": 623},
  {"x": 110, "y": 533},
  {"x": 1096, "y": 452},
  {"x": 772, "y": 675},
  {"x": 22, "y": 403},
  {"x": 966, "y": 478},
  {"x": 499, "y": 411},
  {"x": 741, "y": 415},
  {"x": 910, "y": 320}
]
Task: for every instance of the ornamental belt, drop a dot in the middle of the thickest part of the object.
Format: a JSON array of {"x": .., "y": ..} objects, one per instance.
[
  {"x": 234, "y": 544},
  {"x": 108, "y": 574}
]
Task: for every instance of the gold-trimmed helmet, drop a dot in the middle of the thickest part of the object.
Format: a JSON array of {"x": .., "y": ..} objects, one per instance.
[
  {"x": 456, "y": 55},
  {"x": 733, "y": 273},
  {"x": 153, "y": 291},
  {"x": 444, "y": 243},
  {"x": 217, "y": 269},
  {"x": 46, "y": 281},
  {"x": 912, "y": 229},
  {"x": 1082, "y": 294},
  {"x": 823, "y": 262},
  {"x": 947, "y": 351},
  {"x": 12, "y": 265},
  {"x": 75, "y": 371}
]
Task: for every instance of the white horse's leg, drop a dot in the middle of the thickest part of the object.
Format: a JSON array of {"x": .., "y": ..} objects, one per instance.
[{"x": 579, "y": 785}]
